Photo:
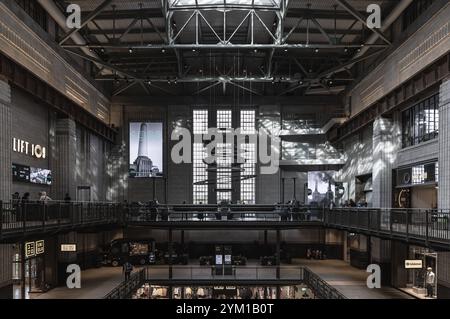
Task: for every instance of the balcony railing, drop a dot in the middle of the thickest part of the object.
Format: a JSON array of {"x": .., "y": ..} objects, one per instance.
[
  {"x": 421, "y": 224},
  {"x": 146, "y": 213},
  {"x": 201, "y": 274},
  {"x": 27, "y": 217}
]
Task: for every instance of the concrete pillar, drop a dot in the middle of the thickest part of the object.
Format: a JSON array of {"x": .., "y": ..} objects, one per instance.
[
  {"x": 64, "y": 159},
  {"x": 5, "y": 141},
  {"x": 386, "y": 143},
  {"x": 444, "y": 146}
]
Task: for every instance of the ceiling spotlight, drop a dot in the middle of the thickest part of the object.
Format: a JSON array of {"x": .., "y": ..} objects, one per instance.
[
  {"x": 90, "y": 49},
  {"x": 130, "y": 50},
  {"x": 346, "y": 50},
  {"x": 163, "y": 50},
  {"x": 316, "y": 50},
  {"x": 285, "y": 50},
  {"x": 193, "y": 50},
  {"x": 362, "y": 45},
  {"x": 255, "y": 50},
  {"x": 330, "y": 82},
  {"x": 176, "y": 80},
  {"x": 359, "y": 50},
  {"x": 102, "y": 50},
  {"x": 300, "y": 82},
  {"x": 273, "y": 80},
  {"x": 149, "y": 82}
]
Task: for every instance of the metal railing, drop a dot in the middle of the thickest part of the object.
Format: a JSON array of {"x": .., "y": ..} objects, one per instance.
[
  {"x": 320, "y": 287},
  {"x": 423, "y": 224},
  {"x": 25, "y": 217},
  {"x": 214, "y": 213},
  {"x": 128, "y": 287},
  {"x": 299, "y": 274},
  {"x": 222, "y": 273}
]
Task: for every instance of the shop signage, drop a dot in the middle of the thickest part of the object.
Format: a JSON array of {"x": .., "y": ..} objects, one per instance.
[
  {"x": 27, "y": 148},
  {"x": 40, "y": 247},
  {"x": 30, "y": 249},
  {"x": 413, "y": 264},
  {"x": 34, "y": 248},
  {"x": 68, "y": 247}
]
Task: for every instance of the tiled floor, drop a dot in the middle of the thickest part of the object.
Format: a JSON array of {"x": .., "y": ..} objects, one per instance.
[{"x": 348, "y": 280}]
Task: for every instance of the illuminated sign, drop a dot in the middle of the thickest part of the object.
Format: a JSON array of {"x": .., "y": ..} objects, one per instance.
[
  {"x": 27, "y": 148},
  {"x": 30, "y": 249},
  {"x": 40, "y": 247},
  {"x": 413, "y": 264},
  {"x": 68, "y": 247},
  {"x": 34, "y": 248}
]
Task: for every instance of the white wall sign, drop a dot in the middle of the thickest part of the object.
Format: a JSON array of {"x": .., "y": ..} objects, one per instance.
[
  {"x": 68, "y": 247},
  {"x": 27, "y": 148},
  {"x": 413, "y": 264}
]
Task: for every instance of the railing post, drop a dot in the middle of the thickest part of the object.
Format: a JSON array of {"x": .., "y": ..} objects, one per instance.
[
  {"x": 391, "y": 221},
  {"x": 1, "y": 217},
  {"x": 407, "y": 224},
  {"x": 427, "y": 214}
]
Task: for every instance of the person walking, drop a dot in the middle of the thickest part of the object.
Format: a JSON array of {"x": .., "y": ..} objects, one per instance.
[{"x": 127, "y": 269}]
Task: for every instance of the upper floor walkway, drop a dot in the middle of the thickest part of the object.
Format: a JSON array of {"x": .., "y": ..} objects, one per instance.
[{"x": 419, "y": 226}]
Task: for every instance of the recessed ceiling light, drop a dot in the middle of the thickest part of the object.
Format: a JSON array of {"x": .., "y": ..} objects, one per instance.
[{"x": 130, "y": 50}]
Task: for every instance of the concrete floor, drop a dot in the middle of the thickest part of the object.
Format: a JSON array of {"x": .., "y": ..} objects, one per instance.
[
  {"x": 348, "y": 280},
  {"x": 95, "y": 284}
]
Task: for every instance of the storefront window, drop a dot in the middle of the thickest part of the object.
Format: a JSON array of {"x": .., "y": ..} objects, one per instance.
[
  {"x": 420, "y": 123},
  {"x": 421, "y": 270}
]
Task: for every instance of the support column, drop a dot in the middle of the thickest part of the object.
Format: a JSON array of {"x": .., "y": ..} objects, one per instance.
[
  {"x": 63, "y": 159},
  {"x": 5, "y": 141},
  {"x": 170, "y": 249},
  {"x": 277, "y": 253},
  {"x": 6, "y": 250},
  {"x": 444, "y": 146},
  {"x": 386, "y": 143}
]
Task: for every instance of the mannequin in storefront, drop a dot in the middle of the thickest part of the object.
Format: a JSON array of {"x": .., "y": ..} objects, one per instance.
[{"x": 430, "y": 278}]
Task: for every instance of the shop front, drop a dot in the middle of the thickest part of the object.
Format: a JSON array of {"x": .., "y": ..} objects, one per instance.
[
  {"x": 149, "y": 291},
  {"x": 422, "y": 273},
  {"x": 416, "y": 186}
]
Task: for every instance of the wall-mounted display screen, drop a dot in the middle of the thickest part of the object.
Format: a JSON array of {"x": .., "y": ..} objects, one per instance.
[
  {"x": 146, "y": 149},
  {"x": 40, "y": 176},
  {"x": 21, "y": 173},
  {"x": 322, "y": 188}
]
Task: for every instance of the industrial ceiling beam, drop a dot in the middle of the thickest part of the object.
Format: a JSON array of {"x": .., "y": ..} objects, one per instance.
[
  {"x": 228, "y": 46},
  {"x": 88, "y": 19},
  {"x": 342, "y": 66},
  {"x": 361, "y": 18},
  {"x": 127, "y": 14}
]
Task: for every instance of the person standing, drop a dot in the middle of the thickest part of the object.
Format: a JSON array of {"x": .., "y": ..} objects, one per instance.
[
  {"x": 430, "y": 278},
  {"x": 44, "y": 197},
  {"x": 127, "y": 269}
]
